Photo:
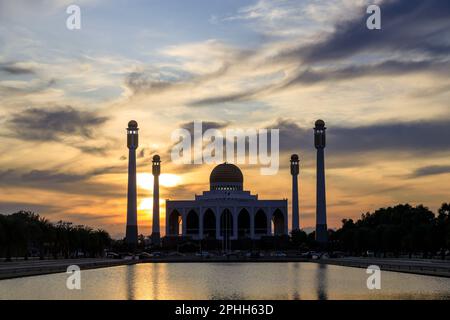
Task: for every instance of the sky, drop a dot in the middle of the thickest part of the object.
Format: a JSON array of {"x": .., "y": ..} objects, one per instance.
[{"x": 66, "y": 97}]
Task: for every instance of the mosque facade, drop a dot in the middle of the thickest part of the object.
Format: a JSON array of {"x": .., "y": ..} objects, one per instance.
[{"x": 226, "y": 211}]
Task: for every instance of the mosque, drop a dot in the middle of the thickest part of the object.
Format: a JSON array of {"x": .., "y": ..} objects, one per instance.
[{"x": 226, "y": 211}]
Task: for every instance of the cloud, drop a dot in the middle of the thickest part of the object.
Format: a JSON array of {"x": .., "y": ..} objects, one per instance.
[
  {"x": 7, "y": 207},
  {"x": 430, "y": 171},
  {"x": 102, "y": 150},
  {"x": 415, "y": 38},
  {"x": 159, "y": 80},
  {"x": 51, "y": 176},
  {"x": 152, "y": 81},
  {"x": 54, "y": 124},
  {"x": 232, "y": 97},
  {"x": 412, "y": 26},
  {"x": 64, "y": 182},
  {"x": 419, "y": 136},
  {"x": 22, "y": 88},
  {"x": 146, "y": 152},
  {"x": 16, "y": 69},
  {"x": 312, "y": 76},
  {"x": 206, "y": 125},
  {"x": 110, "y": 170},
  {"x": 386, "y": 68}
]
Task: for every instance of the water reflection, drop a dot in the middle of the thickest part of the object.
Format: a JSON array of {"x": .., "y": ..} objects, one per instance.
[
  {"x": 321, "y": 278},
  {"x": 294, "y": 269},
  {"x": 157, "y": 272},
  {"x": 227, "y": 281},
  {"x": 130, "y": 279}
]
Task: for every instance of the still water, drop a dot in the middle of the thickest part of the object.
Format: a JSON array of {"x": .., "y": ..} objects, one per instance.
[{"x": 227, "y": 281}]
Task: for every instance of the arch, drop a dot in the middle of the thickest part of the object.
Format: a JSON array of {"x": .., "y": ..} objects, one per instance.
[
  {"x": 209, "y": 224},
  {"x": 192, "y": 222},
  {"x": 278, "y": 222},
  {"x": 243, "y": 224},
  {"x": 226, "y": 224},
  {"x": 260, "y": 222},
  {"x": 174, "y": 223}
]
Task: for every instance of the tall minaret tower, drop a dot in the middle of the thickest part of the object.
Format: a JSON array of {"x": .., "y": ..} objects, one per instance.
[
  {"x": 321, "y": 206},
  {"x": 294, "y": 173},
  {"x": 156, "y": 170},
  {"x": 132, "y": 143}
]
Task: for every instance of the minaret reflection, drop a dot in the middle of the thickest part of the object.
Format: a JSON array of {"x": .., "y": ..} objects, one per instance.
[
  {"x": 295, "y": 269},
  {"x": 130, "y": 280},
  {"x": 156, "y": 270},
  {"x": 322, "y": 281}
]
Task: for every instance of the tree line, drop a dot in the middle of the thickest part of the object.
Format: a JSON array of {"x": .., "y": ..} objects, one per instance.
[
  {"x": 402, "y": 229},
  {"x": 25, "y": 234}
]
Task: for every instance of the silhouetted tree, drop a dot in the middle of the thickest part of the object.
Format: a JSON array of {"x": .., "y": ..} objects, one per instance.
[
  {"x": 298, "y": 238},
  {"x": 398, "y": 229},
  {"x": 23, "y": 232},
  {"x": 442, "y": 234}
]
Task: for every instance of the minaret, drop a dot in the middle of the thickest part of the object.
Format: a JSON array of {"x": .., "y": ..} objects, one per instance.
[
  {"x": 132, "y": 143},
  {"x": 294, "y": 173},
  {"x": 321, "y": 206},
  {"x": 156, "y": 170}
]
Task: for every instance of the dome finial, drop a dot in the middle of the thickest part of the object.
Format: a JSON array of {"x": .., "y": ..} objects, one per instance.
[
  {"x": 320, "y": 124},
  {"x": 132, "y": 124}
]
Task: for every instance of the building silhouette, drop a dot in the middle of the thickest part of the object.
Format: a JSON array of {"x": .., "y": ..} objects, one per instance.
[
  {"x": 226, "y": 212},
  {"x": 321, "y": 207},
  {"x": 156, "y": 171},
  {"x": 131, "y": 237},
  {"x": 294, "y": 172}
]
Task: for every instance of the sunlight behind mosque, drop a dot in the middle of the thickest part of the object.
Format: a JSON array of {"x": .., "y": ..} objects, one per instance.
[
  {"x": 147, "y": 203},
  {"x": 169, "y": 180}
]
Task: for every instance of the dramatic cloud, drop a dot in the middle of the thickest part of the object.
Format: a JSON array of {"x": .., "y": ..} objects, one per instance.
[
  {"x": 386, "y": 68},
  {"x": 51, "y": 176},
  {"x": 430, "y": 171},
  {"x": 232, "y": 97},
  {"x": 258, "y": 61},
  {"x": 416, "y": 31},
  {"x": 54, "y": 124},
  {"x": 430, "y": 136},
  {"x": 69, "y": 183},
  {"x": 421, "y": 136},
  {"x": 413, "y": 26}
]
